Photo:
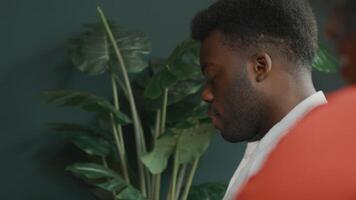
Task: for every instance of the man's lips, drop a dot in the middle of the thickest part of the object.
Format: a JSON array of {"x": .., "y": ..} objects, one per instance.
[{"x": 214, "y": 116}]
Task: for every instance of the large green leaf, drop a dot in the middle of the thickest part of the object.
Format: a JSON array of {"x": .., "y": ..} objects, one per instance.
[
  {"x": 324, "y": 61},
  {"x": 200, "y": 111},
  {"x": 90, "y": 145},
  {"x": 182, "y": 49},
  {"x": 208, "y": 191},
  {"x": 178, "y": 90},
  {"x": 92, "y": 52},
  {"x": 156, "y": 161},
  {"x": 73, "y": 128},
  {"x": 133, "y": 47},
  {"x": 153, "y": 89},
  {"x": 92, "y": 171},
  {"x": 185, "y": 64},
  {"x": 193, "y": 142},
  {"x": 185, "y": 70},
  {"x": 129, "y": 193},
  {"x": 167, "y": 79},
  {"x": 113, "y": 185},
  {"x": 87, "y": 102},
  {"x": 160, "y": 81},
  {"x": 112, "y": 181},
  {"x": 183, "y": 89},
  {"x": 78, "y": 128},
  {"x": 184, "y": 109},
  {"x": 190, "y": 143},
  {"x": 180, "y": 73}
]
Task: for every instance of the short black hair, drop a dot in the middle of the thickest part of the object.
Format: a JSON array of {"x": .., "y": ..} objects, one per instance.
[{"x": 289, "y": 25}]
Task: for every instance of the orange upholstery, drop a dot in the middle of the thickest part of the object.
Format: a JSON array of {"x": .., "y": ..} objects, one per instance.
[{"x": 316, "y": 160}]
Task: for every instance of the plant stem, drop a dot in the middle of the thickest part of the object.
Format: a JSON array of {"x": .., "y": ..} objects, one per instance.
[
  {"x": 169, "y": 189},
  {"x": 180, "y": 180},
  {"x": 105, "y": 163},
  {"x": 118, "y": 132},
  {"x": 190, "y": 179},
  {"x": 120, "y": 150},
  {"x": 157, "y": 126},
  {"x": 156, "y": 179},
  {"x": 164, "y": 111},
  {"x": 174, "y": 175},
  {"x": 160, "y": 129},
  {"x": 140, "y": 141},
  {"x": 121, "y": 84},
  {"x": 156, "y": 184},
  {"x": 148, "y": 182},
  {"x": 118, "y": 81}
]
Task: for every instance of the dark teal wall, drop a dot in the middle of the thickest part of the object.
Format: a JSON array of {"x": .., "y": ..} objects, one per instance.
[{"x": 33, "y": 58}]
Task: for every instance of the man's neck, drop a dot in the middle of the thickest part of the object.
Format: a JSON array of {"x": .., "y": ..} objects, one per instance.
[{"x": 289, "y": 97}]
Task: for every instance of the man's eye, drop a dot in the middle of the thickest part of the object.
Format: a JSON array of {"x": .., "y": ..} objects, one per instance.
[{"x": 209, "y": 74}]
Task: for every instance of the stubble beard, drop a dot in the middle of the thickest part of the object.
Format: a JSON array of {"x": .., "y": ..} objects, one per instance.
[{"x": 243, "y": 113}]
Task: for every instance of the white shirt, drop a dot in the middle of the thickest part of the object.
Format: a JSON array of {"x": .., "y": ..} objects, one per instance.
[{"x": 257, "y": 152}]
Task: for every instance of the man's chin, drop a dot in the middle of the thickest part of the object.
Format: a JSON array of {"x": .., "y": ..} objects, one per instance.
[
  {"x": 230, "y": 138},
  {"x": 234, "y": 138},
  {"x": 216, "y": 122}
]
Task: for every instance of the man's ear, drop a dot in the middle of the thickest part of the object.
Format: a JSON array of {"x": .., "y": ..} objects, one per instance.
[{"x": 262, "y": 66}]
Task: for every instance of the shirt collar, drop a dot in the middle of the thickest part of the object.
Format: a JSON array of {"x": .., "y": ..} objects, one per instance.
[{"x": 282, "y": 127}]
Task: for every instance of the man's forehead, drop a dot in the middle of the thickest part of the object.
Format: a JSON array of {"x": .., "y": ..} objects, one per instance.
[
  {"x": 213, "y": 39},
  {"x": 210, "y": 47}
]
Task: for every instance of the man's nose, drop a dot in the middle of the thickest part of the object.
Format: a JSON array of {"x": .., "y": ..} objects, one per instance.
[{"x": 207, "y": 95}]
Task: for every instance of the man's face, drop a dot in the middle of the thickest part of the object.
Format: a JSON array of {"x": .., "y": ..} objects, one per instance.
[
  {"x": 346, "y": 46},
  {"x": 235, "y": 107}
]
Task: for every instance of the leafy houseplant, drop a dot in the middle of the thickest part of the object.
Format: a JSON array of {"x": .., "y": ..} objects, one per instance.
[
  {"x": 156, "y": 102},
  {"x": 164, "y": 93}
]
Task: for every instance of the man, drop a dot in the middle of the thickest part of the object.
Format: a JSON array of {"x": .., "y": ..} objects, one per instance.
[
  {"x": 256, "y": 57},
  {"x": 316, "y": 160}
]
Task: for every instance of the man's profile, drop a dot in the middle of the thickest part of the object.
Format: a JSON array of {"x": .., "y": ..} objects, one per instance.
[{"x": 256, "y": 56}]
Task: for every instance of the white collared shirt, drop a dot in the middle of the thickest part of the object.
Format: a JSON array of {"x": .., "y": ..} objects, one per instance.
[{"x": 257, "y": 152}]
